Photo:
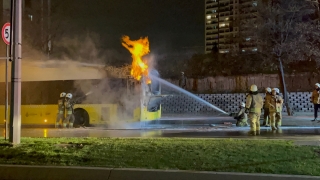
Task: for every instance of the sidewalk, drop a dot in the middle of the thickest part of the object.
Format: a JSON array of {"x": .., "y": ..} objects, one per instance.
[
  {"x": 299, "y": 119},
  {"x": 68, "y": 172}
]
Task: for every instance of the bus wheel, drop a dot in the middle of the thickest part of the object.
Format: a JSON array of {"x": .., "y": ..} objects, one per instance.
[{"x": 81, "y": 117}]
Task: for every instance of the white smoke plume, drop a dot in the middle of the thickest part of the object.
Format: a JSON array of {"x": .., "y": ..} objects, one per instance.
[
  {"x": 114, "y": 88},
  {"x": 82, "y": 59}
]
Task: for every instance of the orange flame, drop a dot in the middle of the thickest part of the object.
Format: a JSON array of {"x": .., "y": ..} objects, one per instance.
[{"x": 138, "y": 49}]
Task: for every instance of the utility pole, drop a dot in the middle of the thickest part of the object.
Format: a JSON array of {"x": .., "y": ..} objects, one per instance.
[
  {"x": 15, "y": 105},
  {"x": 49, "y": 33},
  {"x": 42, "y": 41}
]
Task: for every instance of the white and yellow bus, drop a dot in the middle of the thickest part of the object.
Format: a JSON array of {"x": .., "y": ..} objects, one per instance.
[{"x": 42, "y": 84}]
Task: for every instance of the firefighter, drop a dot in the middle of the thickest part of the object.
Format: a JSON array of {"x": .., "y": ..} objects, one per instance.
[
  {"x": 254, "y": 103},
  {"x": 275, "y": 108},
  {"x": 183, "y": 81},
  {"x": 315, "y": 100},
  {"x": 69, "y": 110},
  {"x": 266, "y": 116},
  {"x": 241, "y": 116},
  {"x": 61, "y": 109},
  {"x": 279, "y": 120}
]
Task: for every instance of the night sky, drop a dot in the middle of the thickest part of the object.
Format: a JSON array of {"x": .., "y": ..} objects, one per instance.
[{"x": 171, "y": 25}]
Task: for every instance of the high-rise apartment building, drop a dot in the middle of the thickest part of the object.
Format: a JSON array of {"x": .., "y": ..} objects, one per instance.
[
  {"x": 223, "y": 23},
  {"x": 220, "y": 24}
]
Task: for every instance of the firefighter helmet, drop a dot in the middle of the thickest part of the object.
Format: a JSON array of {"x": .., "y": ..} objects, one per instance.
[
  {"x": 318, "y": 85},
  {"x": 69, "y": 95},
  {"x": 253, "y": 88},
  {"x": 63, "y": 94},
  {"x": 242, "y": 104},
  {"x": 276, "y": 90},
  {"x": 268, "y": 90}
]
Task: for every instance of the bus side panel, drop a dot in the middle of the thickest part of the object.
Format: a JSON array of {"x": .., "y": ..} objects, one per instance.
[
  {"x": 38, "y": 114},
  {"x": 2, "y": 118},
  {"x": 150, "y": 116},
  {"x": 137, "y": 114},
  {"x": 34, "y": 114},
  {"x": 93, "y": 110},
  {"x": 100, "y": 113}
]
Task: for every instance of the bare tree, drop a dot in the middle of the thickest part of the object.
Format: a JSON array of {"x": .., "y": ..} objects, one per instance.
[{"x": 284, "y": 32}]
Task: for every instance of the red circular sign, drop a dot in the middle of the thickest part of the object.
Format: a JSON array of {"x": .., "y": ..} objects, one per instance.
[{"x": 6, "y": 33}]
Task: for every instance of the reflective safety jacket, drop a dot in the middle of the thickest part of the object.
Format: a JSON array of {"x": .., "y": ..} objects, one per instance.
[
  {"x": 240, "y": 115},
  {"x": 254, "y": 102},
  {"x": 315, "y": 97},
  {"x": 61, "y": 106},
  {"x": 69, "y": 106},
  {"x": 275, "y": 103},
  {"x": 266, "y": 99}
]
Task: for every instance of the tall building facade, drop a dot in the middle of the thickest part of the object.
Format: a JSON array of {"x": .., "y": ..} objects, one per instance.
[
  {"x": 223, "y": 24},
  {"x": 5, "y": 6},
  {"x": 35, "y": 22}
]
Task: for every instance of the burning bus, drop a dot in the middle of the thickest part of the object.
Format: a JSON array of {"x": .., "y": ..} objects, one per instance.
[{"x": 101, "y": 99}]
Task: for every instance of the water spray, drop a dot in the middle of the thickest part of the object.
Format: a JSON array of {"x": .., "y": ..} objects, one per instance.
[
  {"x": 90, "y": 92},
  {"x": 188, "y": 93}
]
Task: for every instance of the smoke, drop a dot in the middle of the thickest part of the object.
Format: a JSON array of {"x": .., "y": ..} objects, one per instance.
[
  {"x": 110, "y": 91},
  {"x": 114, "y": 89},
  {"x": 89, "y": 49},
  {"x": 30, "y": 54},
  {"x": 151, "y": 60},
  {"x": 85, "y": 48},
  {"x": 84, "y": 59}
]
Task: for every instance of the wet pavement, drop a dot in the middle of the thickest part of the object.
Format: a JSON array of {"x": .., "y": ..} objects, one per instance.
[{"x": 290, "y": 133}]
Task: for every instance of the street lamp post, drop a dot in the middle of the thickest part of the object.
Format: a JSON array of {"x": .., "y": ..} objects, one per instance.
[
  {"x": 15, "y": 105},
  {"x": 48, "y": 30}
]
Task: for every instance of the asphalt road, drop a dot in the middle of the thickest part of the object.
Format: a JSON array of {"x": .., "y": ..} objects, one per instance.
[{"x": 225, "y": 131}]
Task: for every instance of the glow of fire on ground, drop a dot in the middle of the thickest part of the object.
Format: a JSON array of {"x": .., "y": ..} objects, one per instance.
[{"x": 138, "y": 49}]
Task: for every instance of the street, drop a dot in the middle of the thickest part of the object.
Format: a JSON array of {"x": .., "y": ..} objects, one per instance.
[{"x": 223, "y": 131}]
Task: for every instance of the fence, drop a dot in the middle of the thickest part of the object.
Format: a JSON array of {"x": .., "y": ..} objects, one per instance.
[{"x": 300, "y": 102}]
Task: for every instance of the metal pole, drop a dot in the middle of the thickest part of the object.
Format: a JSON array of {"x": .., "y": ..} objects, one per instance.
[
  {"x": 15, "y": 106},
  {"x": 42, "y": 45},
  {"x": 12, "y": 14},
  {"x": 6, "y": 101},
  {"x": 49, "y": 36}
]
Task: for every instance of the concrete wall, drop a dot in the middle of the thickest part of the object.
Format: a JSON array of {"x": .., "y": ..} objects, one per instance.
[
  {"x": 227, "y": 102},
  {"x": 233, "y": 84}
]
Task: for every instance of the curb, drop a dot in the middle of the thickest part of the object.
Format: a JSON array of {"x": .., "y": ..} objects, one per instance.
[{"x": 69, "y": 172}]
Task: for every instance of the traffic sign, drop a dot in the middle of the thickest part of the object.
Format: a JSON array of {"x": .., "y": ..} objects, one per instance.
[{"x": 6, "y": 33}]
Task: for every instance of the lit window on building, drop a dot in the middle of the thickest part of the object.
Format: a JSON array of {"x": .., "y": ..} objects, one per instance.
[
  {"x": 255, "y": 49},
  {"x": 254, "y": 4},
  {"x": 208, "y": 17},
  {"x": 248, "y": 39},
  {"x": 243, "y": 50},
  {"x": 30, "y": 17}
]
